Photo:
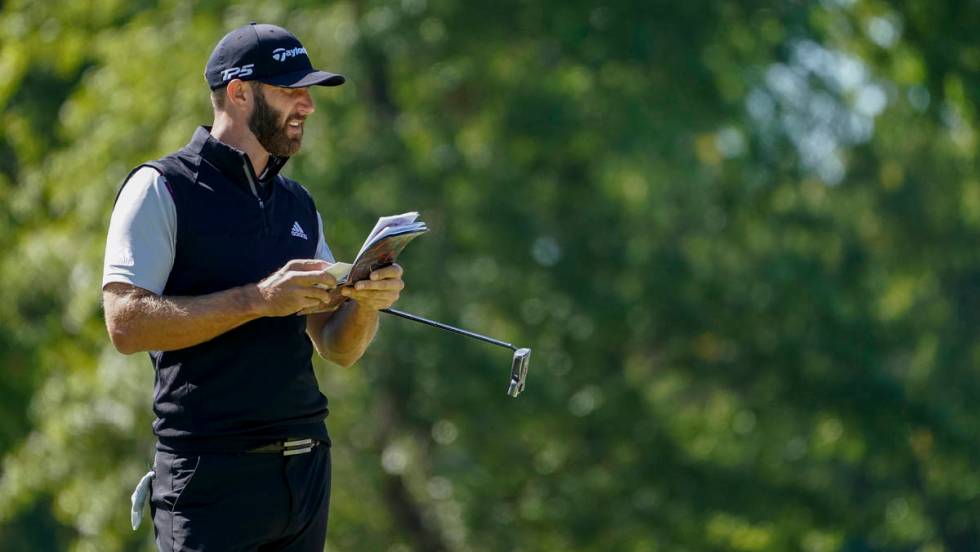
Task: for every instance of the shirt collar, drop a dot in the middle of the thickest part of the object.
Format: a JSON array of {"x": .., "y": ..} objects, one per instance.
[{"x": 229, "y": 160}]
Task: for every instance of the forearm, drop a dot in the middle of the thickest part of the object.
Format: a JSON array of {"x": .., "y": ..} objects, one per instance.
[
  {"x": 149, "y": 322},
  {"x": 343, "y": 336},
  {"x": 346, "y": 335}
]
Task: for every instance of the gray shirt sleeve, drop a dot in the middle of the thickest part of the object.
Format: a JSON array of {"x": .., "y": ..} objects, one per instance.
[
  {"x": 142, "y": 234},
  {"x": 322, "y": 251}
]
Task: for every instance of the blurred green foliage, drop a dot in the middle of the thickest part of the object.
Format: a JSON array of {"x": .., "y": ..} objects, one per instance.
[{"x": 741, "y": 238}]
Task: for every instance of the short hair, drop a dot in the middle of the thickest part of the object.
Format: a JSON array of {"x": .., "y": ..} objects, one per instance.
[{"x": 218, "y": 98}]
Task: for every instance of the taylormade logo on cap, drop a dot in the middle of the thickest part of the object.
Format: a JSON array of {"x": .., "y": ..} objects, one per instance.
[{"x": 280, "y": 54}]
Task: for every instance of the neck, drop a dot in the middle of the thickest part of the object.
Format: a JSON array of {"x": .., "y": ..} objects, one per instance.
[{"x": 238, "y": 135}]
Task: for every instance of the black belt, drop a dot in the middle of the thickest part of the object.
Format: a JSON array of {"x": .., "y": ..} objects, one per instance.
[{"x": 289, "y": 447}]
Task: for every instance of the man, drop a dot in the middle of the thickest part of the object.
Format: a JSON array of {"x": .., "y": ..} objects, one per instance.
[{"x": 216, "y": 264}]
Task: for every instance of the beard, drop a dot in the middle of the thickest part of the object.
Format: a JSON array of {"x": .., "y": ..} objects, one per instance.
[{"x": 273, "y": 135}]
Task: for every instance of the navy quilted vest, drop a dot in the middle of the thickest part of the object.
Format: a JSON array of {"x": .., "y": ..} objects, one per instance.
[{"x": 255, "y": 383}]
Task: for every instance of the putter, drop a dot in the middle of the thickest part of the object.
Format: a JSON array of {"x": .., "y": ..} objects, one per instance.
[{"x": 518, "y": 366}]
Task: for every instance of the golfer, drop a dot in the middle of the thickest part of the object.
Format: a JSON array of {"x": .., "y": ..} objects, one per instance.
[{"x": 216, "y": 265}]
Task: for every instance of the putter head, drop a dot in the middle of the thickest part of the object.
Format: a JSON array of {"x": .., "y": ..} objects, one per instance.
[{"x": 518, "y": 371}]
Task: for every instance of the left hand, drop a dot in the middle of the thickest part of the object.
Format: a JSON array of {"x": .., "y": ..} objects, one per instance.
[{"x": 380, "y": 290}]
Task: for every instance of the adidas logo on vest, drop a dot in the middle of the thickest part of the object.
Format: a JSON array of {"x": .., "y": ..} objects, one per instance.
[{"x": 298, "y": 231}]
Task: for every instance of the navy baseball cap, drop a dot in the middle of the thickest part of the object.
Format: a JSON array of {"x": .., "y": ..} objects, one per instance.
[{"x": 265, "y": 53}]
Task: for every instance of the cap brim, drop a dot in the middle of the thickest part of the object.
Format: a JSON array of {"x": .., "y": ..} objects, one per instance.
[{"x": 300, "y": 79}]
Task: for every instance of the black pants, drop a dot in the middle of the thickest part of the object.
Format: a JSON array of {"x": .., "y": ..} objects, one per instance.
[{"x": 233, "y": 502}]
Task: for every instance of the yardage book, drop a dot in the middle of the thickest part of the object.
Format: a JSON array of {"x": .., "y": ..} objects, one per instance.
[{"x": 382, "y": 247}]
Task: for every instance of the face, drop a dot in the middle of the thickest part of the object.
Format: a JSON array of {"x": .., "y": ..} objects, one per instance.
[{"x": 277, "y": 120}]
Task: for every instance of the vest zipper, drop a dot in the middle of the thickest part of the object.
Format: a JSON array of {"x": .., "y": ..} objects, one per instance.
[{"x": 255, "y": 192}]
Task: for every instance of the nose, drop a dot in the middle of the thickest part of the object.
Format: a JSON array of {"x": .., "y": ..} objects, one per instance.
[{"x": 305, "y": 105}]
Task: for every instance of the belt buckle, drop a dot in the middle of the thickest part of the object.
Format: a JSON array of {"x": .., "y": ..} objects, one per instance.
[{"x": 298, "y": 446}]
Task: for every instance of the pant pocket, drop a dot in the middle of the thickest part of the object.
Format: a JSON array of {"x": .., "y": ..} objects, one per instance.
[{"x": 175, "y": 475}]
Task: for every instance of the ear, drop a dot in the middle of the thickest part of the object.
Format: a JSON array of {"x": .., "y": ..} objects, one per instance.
[{"x": 239, "y": 94}]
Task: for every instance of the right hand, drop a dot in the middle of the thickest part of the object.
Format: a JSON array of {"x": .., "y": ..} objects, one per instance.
[{"x": 293, "y": 288}]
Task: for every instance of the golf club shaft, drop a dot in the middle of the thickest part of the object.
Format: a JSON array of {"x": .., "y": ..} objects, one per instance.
[{"x": 447, "y": 327}]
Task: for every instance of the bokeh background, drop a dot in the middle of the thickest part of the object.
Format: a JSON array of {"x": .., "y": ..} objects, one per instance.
[{"x": 742, "y": 237}]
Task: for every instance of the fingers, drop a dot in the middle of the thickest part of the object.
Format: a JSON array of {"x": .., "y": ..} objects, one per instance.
[
  {"x": 372, "y": 298},
  {"x": 317, "y": 294},
  {"x": 331, "y": 301},
  {"x": 299, "y": 285},
  {"x": 392, "y": 271},
  {"x": 319, "y": 308},
  {"x": 380, "y": 291},
  {"x": 380, "y": 285},
  {"x": 306, "y": 264},
  {"x": 312, "y": 278}
]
